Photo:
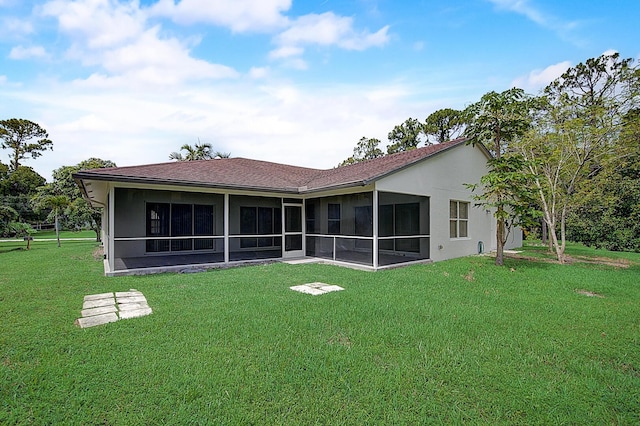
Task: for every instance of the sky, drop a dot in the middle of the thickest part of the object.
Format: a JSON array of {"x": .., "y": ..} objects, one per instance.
[{"x": 295, "y": 82}]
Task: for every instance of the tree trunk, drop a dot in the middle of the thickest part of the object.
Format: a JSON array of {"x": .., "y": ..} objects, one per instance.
[
  {"x": 500, "y": 241},
  {"x": 57, "y": 230},
  {"x": 544, "y": 232}
]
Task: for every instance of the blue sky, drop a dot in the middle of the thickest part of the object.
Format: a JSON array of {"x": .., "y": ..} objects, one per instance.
[{"x": 298, "y": 82}]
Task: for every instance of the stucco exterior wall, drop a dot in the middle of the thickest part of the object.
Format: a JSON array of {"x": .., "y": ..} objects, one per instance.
[{"x": 442, "y": 178}]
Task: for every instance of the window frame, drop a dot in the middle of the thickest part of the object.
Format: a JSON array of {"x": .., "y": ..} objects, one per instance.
[
  {"x": 163, "y": 220},
  {"x": 458, "y": 225}
]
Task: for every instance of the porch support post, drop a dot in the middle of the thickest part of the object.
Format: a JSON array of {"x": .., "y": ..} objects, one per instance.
[
  {"x": 226, "y": 228},
  {"x": 111, "y": 228},
  {"x": 375, "y": 228},
  {"x": 304, "y": 227}
]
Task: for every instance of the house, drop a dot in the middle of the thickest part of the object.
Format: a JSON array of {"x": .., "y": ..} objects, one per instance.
[{"x": 403, "y": 208}]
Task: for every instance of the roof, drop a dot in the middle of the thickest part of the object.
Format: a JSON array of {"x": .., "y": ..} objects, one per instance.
[{"x": 243, "y": 173}]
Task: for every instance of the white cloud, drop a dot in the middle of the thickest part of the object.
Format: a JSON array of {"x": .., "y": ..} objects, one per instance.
[
  {"x": 15, "y": 27},
  {"x": 239, "y": 16},
  {"x": 327, "y": 29},
  {"x": 308, "y": 126},
  {"x": 538, "y": 79},
  {"x": 21, "y": 52},
  {"x": 151, "y": 57},
  {"x": 258, "y": 72},
  {"x": 522, "y": 7},
  {"x": 286, "y": 52},
  {"x": 534, "y": 14},
  {"x": 97, "y": 23},
  {"x": 117, "y": 38},
  {"x": 3, "y": 79}
]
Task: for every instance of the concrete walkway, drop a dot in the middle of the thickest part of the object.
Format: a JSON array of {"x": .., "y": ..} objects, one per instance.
[{"x": 103, "y": 308}]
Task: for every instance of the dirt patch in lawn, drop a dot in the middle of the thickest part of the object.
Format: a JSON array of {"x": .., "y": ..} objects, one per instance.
[
  {"x": 98, "y": 253},
  {"x": 607, "y": 261},
  {"x": 589, "y": 293}
]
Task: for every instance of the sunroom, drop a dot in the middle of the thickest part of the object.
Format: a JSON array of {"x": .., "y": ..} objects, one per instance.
[{"x": 172, "y": 229}]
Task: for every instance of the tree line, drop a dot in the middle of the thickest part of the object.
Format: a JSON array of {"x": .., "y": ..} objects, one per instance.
[
  {"x": 27, "y": 199},
  {"x": 25, "y": 196},
  {"x": 568, "y": 157}
]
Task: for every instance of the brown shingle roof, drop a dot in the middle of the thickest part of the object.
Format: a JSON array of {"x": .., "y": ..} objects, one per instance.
[{"x": 242, "y": 173}]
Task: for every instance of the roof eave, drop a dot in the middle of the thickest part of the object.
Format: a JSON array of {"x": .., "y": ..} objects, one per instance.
[
  {"x": 153, "y": 181},
  {"x": 353, "y": 184}
]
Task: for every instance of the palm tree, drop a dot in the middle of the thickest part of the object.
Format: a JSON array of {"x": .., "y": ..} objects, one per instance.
[
  {"x": 200, "y": 151},
  {"x": 56, "y": 203}
]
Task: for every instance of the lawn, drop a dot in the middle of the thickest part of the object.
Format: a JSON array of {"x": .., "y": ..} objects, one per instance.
[{"x": 460, "y": 341}]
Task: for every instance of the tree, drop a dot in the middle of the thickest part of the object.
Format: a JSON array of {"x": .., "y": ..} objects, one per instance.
[
  {"x": 366, "y": 149},
  {"x": 77, "y": 213},
  {"x": 577, "y": 133},
  {"x": 201, "y": 151},
  {"x": 406, "y": 136},
  {"x": 4, "y": 171},
  {"x": 16, "y": 189},
  {"x": 445, "y": 125},
  {"x": 23, "y": 180},
  {"x": 508, "y": 189},
  {"x": 7, "y": 215},
  {"x": 57, "y": 204},
  {"x": 496, "y": 121},
  {"x": 16, "y": 133},
  {"x": 607, "y": 211}
]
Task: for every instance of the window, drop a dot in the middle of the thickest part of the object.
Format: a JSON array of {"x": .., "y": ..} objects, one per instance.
[
  {"x": 158, "y": 215},
  {"x": 333, "y": 226},
  {"x": 157, "y": 220},
  {"x": 310, "y": 210},
  {"x": 364, "y": 221},
  {"x": 179, "y": 220},
  {"x": 260, "y": 221},
  {"x": 203, "y": 224},
  {"x": 458, "y": 219}
]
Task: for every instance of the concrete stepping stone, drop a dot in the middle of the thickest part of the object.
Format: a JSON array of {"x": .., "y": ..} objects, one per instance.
[
  {"x": 132, "y": 306},
  {"x": 98, "y": 296},
  {"x": 131, "y": 299},
  {"x": 98, "y": 303},
  {"x": 128, "y": 294},
  {"x": 316, "y": 289},
  {"x": 85, "y": 322},
  {"x": 98, "y": 311},
  {"x": 135, "y": 313},
  {"x": 103, "y": 308}
]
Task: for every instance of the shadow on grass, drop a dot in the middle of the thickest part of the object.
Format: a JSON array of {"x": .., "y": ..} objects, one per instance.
[{"x": 11, "y": 248}]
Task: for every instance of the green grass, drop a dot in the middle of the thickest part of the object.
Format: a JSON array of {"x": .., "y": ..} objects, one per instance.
[
  {"x": 63, "y": 234},
  {"x": 460, "y": 341}
]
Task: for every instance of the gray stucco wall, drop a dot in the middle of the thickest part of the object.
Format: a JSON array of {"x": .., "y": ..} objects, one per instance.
[{"x": 442, "y": 178}]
